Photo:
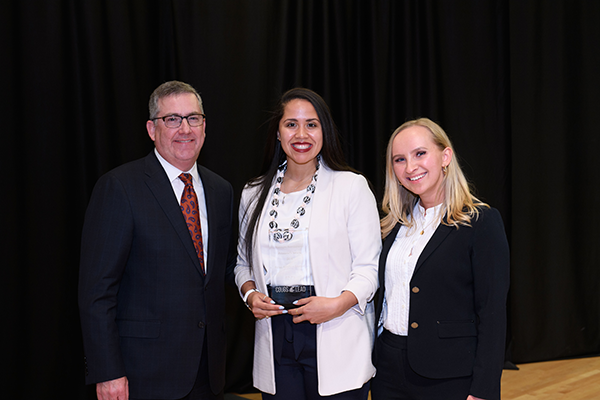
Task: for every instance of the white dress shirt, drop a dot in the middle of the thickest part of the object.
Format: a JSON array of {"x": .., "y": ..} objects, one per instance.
[{"x": 178, "y": 186}]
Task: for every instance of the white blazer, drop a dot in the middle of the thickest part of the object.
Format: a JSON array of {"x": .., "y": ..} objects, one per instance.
[{"x": 344, "y": 243}]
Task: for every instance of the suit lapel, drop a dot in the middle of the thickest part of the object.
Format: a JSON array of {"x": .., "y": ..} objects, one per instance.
[
  {"x": 387, "y": 245},
  {"x": 159, "y": 185},
  {"x": 210, "y": 197},
  {"x": 318, "y": 236},
  {"x": 440, "y": 234},
  {"x": 438, "y": 237}
]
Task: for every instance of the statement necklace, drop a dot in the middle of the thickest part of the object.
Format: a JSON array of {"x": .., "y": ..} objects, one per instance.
[{"x": 286, "y": 234}]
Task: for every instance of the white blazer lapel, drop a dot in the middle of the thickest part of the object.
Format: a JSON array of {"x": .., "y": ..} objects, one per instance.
[
  {"x": 258, "y": 261},
  {"x": 318, "y": 235}
]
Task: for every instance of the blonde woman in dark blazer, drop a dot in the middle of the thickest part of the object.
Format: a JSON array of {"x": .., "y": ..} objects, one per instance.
[{"x": 443, "y": 275}]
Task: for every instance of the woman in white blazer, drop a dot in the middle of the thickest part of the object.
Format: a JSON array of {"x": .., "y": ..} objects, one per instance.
[{"x": 307, "y": 264}]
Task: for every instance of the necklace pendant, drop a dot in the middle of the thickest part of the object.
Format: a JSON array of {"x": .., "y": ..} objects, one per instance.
[
  {"x": 277, "y": 235},
  {"x": 282, "y": 235},
  {"x": 287, "y": 235}
]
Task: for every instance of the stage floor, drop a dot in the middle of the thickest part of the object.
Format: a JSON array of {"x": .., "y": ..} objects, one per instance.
[{"x": 576, "y": 379}]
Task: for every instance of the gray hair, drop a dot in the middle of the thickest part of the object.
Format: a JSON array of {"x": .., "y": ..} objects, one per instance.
[{"x": 171, "y": 88}]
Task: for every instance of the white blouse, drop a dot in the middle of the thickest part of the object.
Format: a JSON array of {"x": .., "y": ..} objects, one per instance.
[
  {"x": 400, "y": 265},
  {"x": 287, "y": 263}
]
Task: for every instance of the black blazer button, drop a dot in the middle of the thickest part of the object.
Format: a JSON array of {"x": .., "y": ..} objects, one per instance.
[
  {"x": 201, "y": 325},
  {"x": 414, "y": 325},
  {"x": 415, "y": 290}
]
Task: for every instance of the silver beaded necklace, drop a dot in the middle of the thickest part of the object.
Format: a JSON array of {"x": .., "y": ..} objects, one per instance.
[{"x": 286, "y": 234}]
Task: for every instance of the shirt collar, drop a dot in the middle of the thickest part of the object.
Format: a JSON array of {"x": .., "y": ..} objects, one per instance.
[
  {"x": 173, "y": 173},
  {"x": 420, "y": 211}
]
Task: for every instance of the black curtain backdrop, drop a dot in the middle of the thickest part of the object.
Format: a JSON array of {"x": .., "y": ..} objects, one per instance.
[{"x": 514, "y": 83}]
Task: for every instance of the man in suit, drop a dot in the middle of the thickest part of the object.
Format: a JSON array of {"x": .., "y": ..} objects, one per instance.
[{"x": 151, "y": 286}]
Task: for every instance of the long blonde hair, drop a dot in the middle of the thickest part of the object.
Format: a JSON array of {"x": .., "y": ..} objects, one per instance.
[{"x": 460, "y": 205}]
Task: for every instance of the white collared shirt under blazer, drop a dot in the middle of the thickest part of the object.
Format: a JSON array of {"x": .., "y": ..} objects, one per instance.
[
  {"x": 401, "y": 261},
  {"x": 344, "y": 243}
]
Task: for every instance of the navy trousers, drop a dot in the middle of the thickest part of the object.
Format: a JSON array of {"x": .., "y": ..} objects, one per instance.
[{"x": 295, "y": 350}]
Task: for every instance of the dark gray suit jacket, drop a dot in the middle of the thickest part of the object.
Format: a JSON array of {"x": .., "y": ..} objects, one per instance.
[
  {"x": 457, "y": 316},
  {"x": 145, "y": 306}
]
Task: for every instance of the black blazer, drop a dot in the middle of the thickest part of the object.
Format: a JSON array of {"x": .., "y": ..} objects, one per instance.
[
  {"x": 145, "y": 306},
  {"x": 457, "y": 316}
]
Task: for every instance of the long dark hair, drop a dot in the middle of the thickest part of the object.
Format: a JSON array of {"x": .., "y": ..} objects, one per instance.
[{"x": 331, "y": 153}]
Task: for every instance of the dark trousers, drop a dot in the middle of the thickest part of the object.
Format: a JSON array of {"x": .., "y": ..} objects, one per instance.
[
  {"x": 201, "y": 389},
  {"x": 395, "y": 379},
  {"x": 295, "y": 349}
]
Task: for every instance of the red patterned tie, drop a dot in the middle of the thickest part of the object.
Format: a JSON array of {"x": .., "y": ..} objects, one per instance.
[{"x": 189, "y": 208}]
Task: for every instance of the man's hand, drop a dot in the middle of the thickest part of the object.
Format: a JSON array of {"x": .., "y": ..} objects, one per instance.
[{"x": 117, "y": 389}]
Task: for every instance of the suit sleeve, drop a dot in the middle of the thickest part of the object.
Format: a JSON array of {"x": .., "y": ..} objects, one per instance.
[
  {"x": 242, "y": 268},
  {"x": 490, "y": 263},
  {"x": 365, "y": 243},
  {"x": 106, "y": 241}
]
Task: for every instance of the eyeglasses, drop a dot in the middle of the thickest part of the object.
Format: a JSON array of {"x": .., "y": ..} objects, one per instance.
[{"x": 174, "y": 120}]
